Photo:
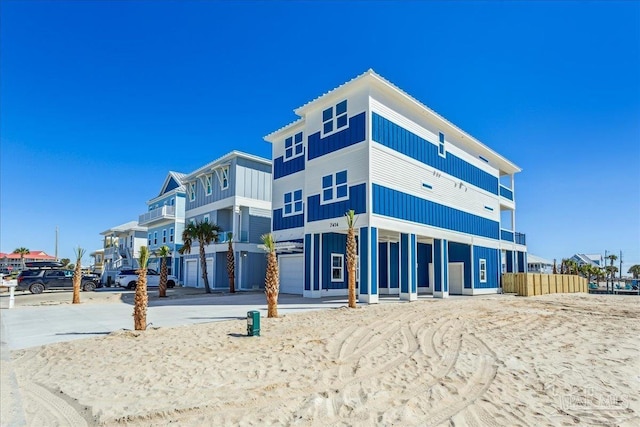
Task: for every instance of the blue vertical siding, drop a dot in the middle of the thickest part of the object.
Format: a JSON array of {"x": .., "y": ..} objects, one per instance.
[
  {"x": 357, "y": 201},
  {"x": 383, "y": 265},
  {"x": 397, "y": 138},
  {"x": 258, "y": 226},
  {"x": 354, "y": 134},
  {"x": 522, "y": 262},
  {"x": 283, "y": 168},
  {"x": 437, "y": 265},
  {"x": 221, "y": 276},
  {"x": 364, "y": 260},
  {"x": 374, "y": 261},
  {"x": 256, "y": 267},
  {"x": 396, "y": 204},
  {"x": 316, "y": 262},
  {"x": 394, "y": 266},
  {"x": 334, "y": 243},
  {"x": 509, "y": 257},
  {"x": 307, "y": 262},
  {"x": 492, "y": 257},
  {"x": 281, "y": 222},
  {"x": 424, "y": 258},
  {"x": 404, "y": 263},
  {"x": 445, "y": 256},
  {"x": 414, "y": 278},
  {"x": 459, "y": 252},
  {"x": 506, "y": 235}
]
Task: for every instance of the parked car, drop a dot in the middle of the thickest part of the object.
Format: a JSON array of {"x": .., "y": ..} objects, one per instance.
[
  {"x": 129, "y": 278},
  {"x": 40, "y": 279}
]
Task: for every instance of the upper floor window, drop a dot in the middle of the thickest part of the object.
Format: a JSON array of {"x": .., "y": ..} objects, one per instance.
[
  {"x": 207, "y": 181},
  {"x": 155, "y": 237},
  {"x": 205, "y": 218},
  {"x": 441, "y": 148},
  {"x": 130, "y": 241},
  {"x": 192, "y": 191},
  {"x": 334, "y": 118},
  {"x": 293, "y": 146},
  {"x": 171, "y": 234},
  {"x": 172, "y": 201},
  {"x": 164, "y": 236},
  {"x": 223, "y": 177},
  {"x": 334, "y": 187},
  {"x": 149, "y": 240},
  {"x": 293, "y": 203}
]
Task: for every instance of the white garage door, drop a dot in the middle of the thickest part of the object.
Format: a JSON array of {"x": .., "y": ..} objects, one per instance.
[
  {"x": 456, "y": 278},
  {"x": 191, "y": 273},
  {"x": 291, "y": 274}
]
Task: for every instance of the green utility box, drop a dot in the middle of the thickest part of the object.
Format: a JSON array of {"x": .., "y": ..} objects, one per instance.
[{"x": 253, "y": 323}]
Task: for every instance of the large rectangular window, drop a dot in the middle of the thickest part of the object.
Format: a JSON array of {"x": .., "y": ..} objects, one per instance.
[
  {"x": 483, "y": 271},
  {"x": 334, "y": 187},
  {"x": 337, "y": 268},
  {"x": 292, "y": 203},
  {"x": 293, "y": 146},
  {"x": 334, "y": 118}
]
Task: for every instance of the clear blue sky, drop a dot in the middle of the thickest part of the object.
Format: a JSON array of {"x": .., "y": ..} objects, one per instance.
[{"x": 100, "y": 99}]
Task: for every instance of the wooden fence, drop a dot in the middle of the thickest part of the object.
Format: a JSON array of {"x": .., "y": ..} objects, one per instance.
[{"x": 529, "y": 284}]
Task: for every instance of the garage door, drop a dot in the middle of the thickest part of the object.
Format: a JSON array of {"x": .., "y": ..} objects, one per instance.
[
  {"x": 191, "y": 273},
  {"x": 456, "y": 278},
  {"x": 291, "y": 274}
]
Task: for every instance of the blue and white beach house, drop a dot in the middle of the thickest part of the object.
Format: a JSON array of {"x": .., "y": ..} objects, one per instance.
[{"x": 435, "y": 207}]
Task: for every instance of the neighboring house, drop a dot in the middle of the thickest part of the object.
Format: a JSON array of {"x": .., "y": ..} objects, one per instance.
[
  {"x": 98, "y": 261},
  {"x": 594, "y": 259},
  {"x": 535, "y": 264},
  {"x": 435, "y": 207},
  {"x": 233, "y": 192},
  {"x": 15, "y": 262},
  {"x": 121, "y": 248},
  {"x": 165, "y": 222}
]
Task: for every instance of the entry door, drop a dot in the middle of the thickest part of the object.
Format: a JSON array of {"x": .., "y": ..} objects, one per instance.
[
  {"x": 291, "y": 274},
  {"x": 456, "y": 278},
  {"x": 191, "y": 273}
]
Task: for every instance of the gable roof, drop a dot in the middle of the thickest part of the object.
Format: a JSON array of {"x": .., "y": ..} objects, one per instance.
[
  {"x": 223, "y": 160},
  {"x": 31, "y": 255},
  {"x": 122, "y": 228},
  {"x": 173, "y": 181}
]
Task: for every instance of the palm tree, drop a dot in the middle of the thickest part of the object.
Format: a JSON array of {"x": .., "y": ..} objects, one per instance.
[
  {"x": 163, "y": 252},
  {"x": 141, "y": 299},
  {"x": 204, "y": 233},
  {"x": 612, "y": 270},
  {"x": 77, "y": 274},
  {"x": 351, "y": 257},
  {"x": 271, "y": 281},
  {"x": 22, "y": 251},
  {"x": 231, "y": 264},
  {"x": 634, "y": 270}
]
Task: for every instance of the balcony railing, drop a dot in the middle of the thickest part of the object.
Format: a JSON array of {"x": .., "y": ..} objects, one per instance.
[
  {"x": 505, "y": 192},
  {"x": 506, "y": 235},
  {"x": 510, "y": 236},
  {"x": 165, "y": 212},
  {"x": 244, "y": 237},
  {"x": 521, "y": 238}
]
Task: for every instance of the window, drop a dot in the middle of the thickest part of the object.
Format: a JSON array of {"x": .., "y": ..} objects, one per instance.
[
  {"x": 164, "y": 236},
  {"x": 205, "y": 218},
  {"x": 192, "y": 191},
  {"x": 293, "y": 203},
  {"x": 130, "y": 241},
  {"x": 171, "y": 234},
  {"x": 155, "y": 237},
  {"x": 293, "y": 146},
  {"x": 207, "y": 181},
  {"x": 441, "y": 149},
  {"x": 224, "y": 178},
  {"x": 149, "y": 240},
  {"x": 334, "y": 187},
  {"x": 331, "y": 121},
  {"x": 483, "y": 271},
  {"x": 337, "y": 268},
  {"x": 172, "y": 202}
]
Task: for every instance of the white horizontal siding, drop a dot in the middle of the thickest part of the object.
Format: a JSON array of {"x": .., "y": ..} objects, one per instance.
[{"x": 353, "y": 159}]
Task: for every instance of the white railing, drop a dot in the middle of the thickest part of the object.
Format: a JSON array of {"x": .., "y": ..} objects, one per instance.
[{"x": 165, "y": 212}]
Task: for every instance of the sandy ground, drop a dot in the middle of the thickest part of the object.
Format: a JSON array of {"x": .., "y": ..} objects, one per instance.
[{"x": 567, "y": 359}]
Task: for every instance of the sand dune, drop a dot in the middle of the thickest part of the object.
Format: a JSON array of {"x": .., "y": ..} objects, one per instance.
[{"x": 567, "y": 359}]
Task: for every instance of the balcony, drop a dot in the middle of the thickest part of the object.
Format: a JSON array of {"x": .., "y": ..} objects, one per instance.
[
  {"x": 244, "y": 237},
  {"x": 159, "y": 214},
  {"x": 510, "y": 236},
  {"x": 505, "y": 192},
  {"x": 506, "y": 235},
  {"x": 521, "y": 238}
]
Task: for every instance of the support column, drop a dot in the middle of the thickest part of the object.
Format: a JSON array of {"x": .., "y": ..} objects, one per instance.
[
  {"x": 312, "y": 266},
  {"x": 440, "y": 268},
  {"x": 408, "y": 267},
  {"x": 368, "y": 265}
]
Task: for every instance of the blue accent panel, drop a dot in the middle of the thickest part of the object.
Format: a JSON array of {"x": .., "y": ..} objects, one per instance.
[
  {"x": 437, "y": 265},
  {"x": 394, "y": 271},
  {"x": 335, "y": 243},
  {"x": 404, "y": 263},
  {"x": 397, "y": 138},
  {"x": 352, "y": 135},
  {"x": 445, "y": 256},
  {"x": 424, "y": 258},
  {"x": 281, "y": 222},
  {"x": 383, "y": 265},
  {"x": 492, "y": 256},
  {"x": 364, "y": 260},
  {"x": 395, "y": 204},
  {"x": 459, "y": 252},
  {"x": 506, "y": 235},
  {"x": 413, "y": 267},
  {"x": 522, "y": 262},
  {"x": 171, "y": 185},
  {"x": 316, "y": 262},
  {"x": 506, "y": 192},
  {"x": 282, "y": 168},
  {"x": 356, "y": 201},
  {"x": 509, "y": 257},
  {"x": 307, "y": 262},
  {"x": 374, "y": 261}
]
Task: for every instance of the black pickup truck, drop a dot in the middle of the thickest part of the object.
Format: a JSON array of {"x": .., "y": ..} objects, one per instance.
[{"x": 39, "y": 279}]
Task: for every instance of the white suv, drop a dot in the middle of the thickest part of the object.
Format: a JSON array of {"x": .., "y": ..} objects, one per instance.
[{"x": 129, "y": 278}]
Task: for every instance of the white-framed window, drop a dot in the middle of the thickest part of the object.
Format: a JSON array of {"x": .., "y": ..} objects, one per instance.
[
  {"x": 334, "y": 187},
  {"x": 191, "y": 221},
  {"x": 149, "y": 240},
  {"x": 337, "y": 267},
  {"x": 441, "y": 148},
  {"x": 207, "y": 182},
  {"x": 172, "y": 202},
  {"x": 164, "y": 235},
  {"x": 292, "y": 203},
  {"x": 192, "y": 191},
  {"x": 171, "y": 234},
  {"x": 205, "y": 218},
  {"x": 483, "y": 271},
  {"x": 293, "y": 146},
  {"x": 334, "y": 118},
  {"x": 155, "y": 237},
  {"x": 224, "y": 178},
  {"x": 130, "y": 241}
]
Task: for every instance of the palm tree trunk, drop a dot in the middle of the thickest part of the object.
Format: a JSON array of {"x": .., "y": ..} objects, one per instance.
[
  {"x": 203, "y": 263},
  {"x": 271, "y": 285},
  {"x": 231, "y": 268},
  {"x": 162, "y": 288},
  {"x": 351, "y": 266},
  {"x": 141, "y": 300},
  {"x": 77, "y": 278}
]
